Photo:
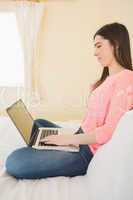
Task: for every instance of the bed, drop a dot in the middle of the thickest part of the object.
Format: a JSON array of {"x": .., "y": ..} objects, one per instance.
[{"x": 109, "y": 175}]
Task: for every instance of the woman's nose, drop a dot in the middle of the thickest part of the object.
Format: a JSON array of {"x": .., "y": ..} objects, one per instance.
[{"x": 95, "y": 53}]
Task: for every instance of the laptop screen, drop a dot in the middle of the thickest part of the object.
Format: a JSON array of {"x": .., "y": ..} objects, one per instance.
[{"x": 21, "y": 118}]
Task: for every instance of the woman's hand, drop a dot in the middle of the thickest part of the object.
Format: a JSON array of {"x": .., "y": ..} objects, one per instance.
[
  {"x": 63, "y": 139},
  {"x": 69, "y": 139}
]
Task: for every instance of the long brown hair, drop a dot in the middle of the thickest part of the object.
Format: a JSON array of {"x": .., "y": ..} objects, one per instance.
[{"x": 118, "y": 36}]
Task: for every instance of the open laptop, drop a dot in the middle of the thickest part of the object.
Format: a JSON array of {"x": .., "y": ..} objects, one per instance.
[{"x": 23, "y": 121}]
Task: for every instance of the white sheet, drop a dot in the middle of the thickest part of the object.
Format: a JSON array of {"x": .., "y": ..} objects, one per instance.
[
  {"x": 57, "y": 188},
  {"x": 109, "y": 175}
]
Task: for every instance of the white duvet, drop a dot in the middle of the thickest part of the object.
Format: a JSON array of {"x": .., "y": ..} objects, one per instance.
[{"x": 109, "y": 175}]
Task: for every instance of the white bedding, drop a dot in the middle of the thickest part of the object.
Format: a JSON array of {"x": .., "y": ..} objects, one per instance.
[{"x": 109, "y": 175}]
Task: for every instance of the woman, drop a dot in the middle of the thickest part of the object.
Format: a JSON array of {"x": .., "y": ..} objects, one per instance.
[{"x": 110, "y": 98}]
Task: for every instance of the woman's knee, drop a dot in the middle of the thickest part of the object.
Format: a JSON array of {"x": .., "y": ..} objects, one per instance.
[
  {"x": 39, "y": 121},
  {"x": 16, "y": 164},
  {"x": 45, "y": 123}
]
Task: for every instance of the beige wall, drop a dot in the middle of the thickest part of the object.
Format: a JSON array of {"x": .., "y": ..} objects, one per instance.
[{"x": 68, "y": 65}]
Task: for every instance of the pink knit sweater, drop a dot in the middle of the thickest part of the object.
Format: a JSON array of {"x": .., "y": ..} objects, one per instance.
[{"x": 107, "y": 103}]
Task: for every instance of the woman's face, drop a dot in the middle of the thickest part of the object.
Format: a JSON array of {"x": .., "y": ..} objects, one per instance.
[{"x": 104, "y": 51}]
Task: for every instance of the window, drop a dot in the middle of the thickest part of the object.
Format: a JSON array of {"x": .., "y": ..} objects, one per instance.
[{"x": 11, "y": 54}]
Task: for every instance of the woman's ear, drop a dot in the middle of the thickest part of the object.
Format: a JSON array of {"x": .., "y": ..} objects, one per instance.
[
  {"x": 116, "y": 44},
  {"x": 117, "y": 47}
]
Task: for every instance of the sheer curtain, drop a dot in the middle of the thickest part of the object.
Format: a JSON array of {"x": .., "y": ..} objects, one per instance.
[{"x": 29, "y": 17}]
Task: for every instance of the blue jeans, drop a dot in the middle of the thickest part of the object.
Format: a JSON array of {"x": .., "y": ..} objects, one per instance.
[{"x": 30, "y": 163}]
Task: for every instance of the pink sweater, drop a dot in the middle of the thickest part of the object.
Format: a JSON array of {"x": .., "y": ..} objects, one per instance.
[{"x": 107, "y": 103}]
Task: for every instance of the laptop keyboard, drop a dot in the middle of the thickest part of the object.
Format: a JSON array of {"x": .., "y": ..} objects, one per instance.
[
  {"x": 48, "y": 132},
  {"x": 45, "y": 133}
]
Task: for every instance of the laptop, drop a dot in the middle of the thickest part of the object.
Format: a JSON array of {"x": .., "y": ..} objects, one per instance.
[{"x": 23, "y": 121}]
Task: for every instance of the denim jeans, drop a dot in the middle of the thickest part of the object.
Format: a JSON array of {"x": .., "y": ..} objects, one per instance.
[{"x": 30, "y": 163}]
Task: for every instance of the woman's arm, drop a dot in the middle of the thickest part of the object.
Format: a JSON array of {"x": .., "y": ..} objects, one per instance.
[{"x": 67, "y": 139}]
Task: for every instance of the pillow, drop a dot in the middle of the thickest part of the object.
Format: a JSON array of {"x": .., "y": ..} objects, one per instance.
[{"x": 110, "y": 174}]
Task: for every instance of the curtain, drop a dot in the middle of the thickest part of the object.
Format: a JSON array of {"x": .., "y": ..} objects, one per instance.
[{"x": 29, "y": 17}]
